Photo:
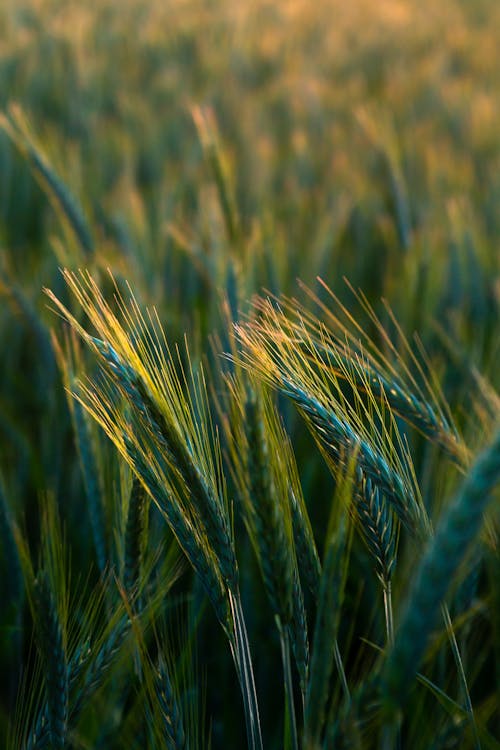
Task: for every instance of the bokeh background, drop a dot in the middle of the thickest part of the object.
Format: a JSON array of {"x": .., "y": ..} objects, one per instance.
[{"x": 206, "y": 151}]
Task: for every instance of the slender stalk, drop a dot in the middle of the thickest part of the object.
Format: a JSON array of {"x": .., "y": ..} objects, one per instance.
[
  {"x": 391, "y": 734},
  {"x": 340, "y": 667},
  {"x": 287, "y": 677},
  {"x": 389, "y": 619},
  {"x": 243, "y": 663},
  {"x": 461, "y": 673}
]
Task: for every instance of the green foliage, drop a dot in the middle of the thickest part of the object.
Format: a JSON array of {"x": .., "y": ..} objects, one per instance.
[{"x": 234, "y": 504}]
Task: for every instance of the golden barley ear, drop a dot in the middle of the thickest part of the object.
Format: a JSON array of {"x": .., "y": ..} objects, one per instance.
[{"x": 155, "y": 411}]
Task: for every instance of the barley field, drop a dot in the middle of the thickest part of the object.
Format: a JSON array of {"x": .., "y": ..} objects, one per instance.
[{"x": 250, "y": 390}]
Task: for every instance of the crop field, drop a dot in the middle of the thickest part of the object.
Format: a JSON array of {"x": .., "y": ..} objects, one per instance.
[{"x": 250, "y": 375}]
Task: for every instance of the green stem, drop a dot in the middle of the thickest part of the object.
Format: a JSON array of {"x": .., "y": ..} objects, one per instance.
[
  {"x": 287, "y": 676},
  {"x": 243, "y": 662},
  {"x": 461, "y": 673},
  {"x": 340, "y": 667},
  {"x": 392, "y": 735},
  {"x": 389, "y": 619}
]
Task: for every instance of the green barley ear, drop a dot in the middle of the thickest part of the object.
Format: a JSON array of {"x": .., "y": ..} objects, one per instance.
[
  {"x": 171, "y": 685},
  {"x": 50, "y": 617},
  {"x": 102, "y": 638},
  {"x": 64, "y": 202},
  {"x": 299, "y": 636},
  {"x": 378, "y": 528},
  {"x": 168, "y": 703},
  {"x": 339, "y": 426},
  {"x": 94, "y": 632},
  {"x": 308, "y": 561},
  {"x": 100, "y": 658},
  {"x": 306, "y": 558},
  {"x": 336, "y": 437},
  {"x": 421, "y": 414},
  {"x": 52, "y": 646},
  {"x": 134, "y": 533},
  {"x": 457, "y": 529},
  {"x": 339, "y": 348},
  {"x": 160, "y": 397},
  {"x": 195, "y": 546},
  {"x": 207, "y": 130},
  {"x": 270, "y": 527},
  {"x": 267, "y": 519},
  {"x": 331, "y": 593},
  {"x": 20, "y": 301},
  {"x": 68, "y": 360},
  {"x": 399, "y": 374},
  {"x": 92, "y": 479}
]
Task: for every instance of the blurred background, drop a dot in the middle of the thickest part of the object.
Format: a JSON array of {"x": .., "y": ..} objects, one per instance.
[{"x": 206, "y": 151}]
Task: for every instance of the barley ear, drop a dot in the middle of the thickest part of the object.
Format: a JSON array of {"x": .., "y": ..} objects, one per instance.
[
  {"x": 207, "y": 131},
  {"x": 365, "y": 376},
  {"x": 92, "y": 480},
  {"x": 266, "y": 509},
  {"x": 63, "y": 201},
  {"x": 299, "y": 635},
  {"x": 174, "y": 735},
  {"x": 337, "y": 438},
  {"x": 305, "y": 545},
  {"x": 457, "y": 529},
  {"x": 378, "y": 528},
  {"x": 134, "y": 536},
  {"x": 52, "y": 647},
  {"x": 99, "y": 660},
  {"x": 203, "y": 498}
]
